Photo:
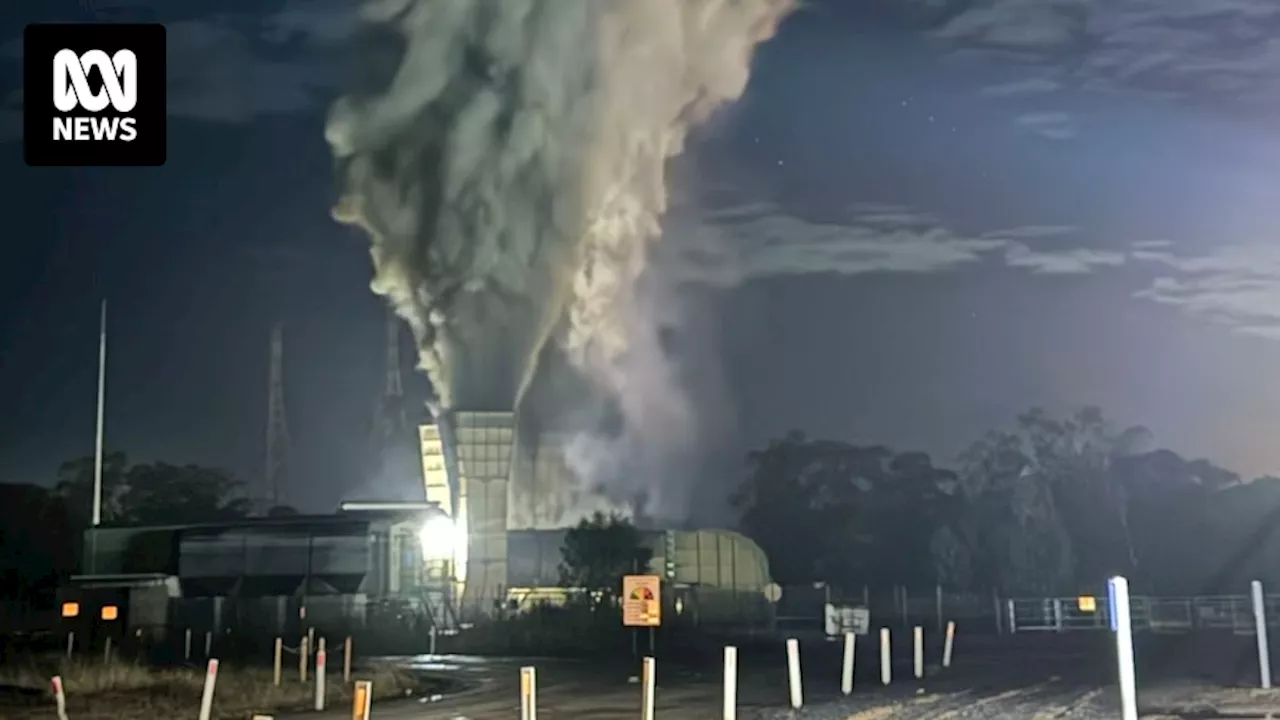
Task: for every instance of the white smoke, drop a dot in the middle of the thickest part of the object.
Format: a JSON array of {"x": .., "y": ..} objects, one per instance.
[{"x": 508, "y": 164}]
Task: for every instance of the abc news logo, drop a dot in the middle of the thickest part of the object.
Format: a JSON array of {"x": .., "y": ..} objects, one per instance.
[
  {"x": 94, "y": 94},
  {"x": 71, "y": 91}
]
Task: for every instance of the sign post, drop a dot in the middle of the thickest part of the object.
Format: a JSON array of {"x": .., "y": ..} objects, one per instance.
[{"x": 1122, "y": 626}]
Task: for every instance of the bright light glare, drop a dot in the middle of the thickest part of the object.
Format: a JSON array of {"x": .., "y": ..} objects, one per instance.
[{"x": 437, "y": 536}]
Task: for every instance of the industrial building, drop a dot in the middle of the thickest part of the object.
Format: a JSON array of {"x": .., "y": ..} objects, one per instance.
[
  {"x": 276, "y": 572},
  {"x": 512, "y": 498},
  {"x": 486, "y": 541}
]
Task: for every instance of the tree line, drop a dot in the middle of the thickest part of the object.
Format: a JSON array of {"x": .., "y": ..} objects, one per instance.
[
  {"x": 1052, "y": 505},
  {"x": 41, "y": 528}
]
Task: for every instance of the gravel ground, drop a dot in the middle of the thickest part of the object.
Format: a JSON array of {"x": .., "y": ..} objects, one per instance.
[{"x": 1046, "y": 701}]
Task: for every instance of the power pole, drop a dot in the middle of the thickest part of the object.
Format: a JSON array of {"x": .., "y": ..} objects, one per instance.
[{"x": 277, "y": 458}]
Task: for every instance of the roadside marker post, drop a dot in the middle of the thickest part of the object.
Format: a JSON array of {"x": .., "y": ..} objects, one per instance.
[
  {"x": 886, "y": 657},
  {"x": 362, "y": 700},
  {"x": 186, "y": 646},
  {"x": 1260, "y": 627},
  {"x": 206, "y": 697},
  {"x": 528, "y": 693},
  {"x": 846, "y": 664},
  {"x": 71, "y": 644},
  {"x": 917, "y": 650},
  {"x": 793, "y": 673},
  {"x": 277, "y": 662},
  {"x": 59, "y": 697},
  {"x": 1122, "y": 626},
  {"x": 647, "y": 681},
  {"x": 730, "y": 702},
  {"x": 304, "y": 658},
  {"x": 948, "y": 643},
  {"x": 346, "y": 660},
  {"x": 208, "y": 643},
  {"x": 321, "y": 660}
]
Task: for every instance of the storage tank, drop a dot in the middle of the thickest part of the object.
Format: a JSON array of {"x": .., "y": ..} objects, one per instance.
[{"x": 719, "y": 575}]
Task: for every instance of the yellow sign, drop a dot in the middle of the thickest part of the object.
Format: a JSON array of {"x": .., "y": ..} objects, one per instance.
[
  {"x": 641, "y": 601},
  {"x": 110, "y": 612},
  {"x": 1087, "y": 603},
  {"x": 70, "y": 609}
]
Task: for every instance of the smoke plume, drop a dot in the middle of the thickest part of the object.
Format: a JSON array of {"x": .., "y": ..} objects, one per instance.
[{"x": 506, "y": 158}]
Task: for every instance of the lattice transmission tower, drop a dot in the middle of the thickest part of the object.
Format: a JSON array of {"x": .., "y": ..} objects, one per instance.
[
  {"x": 277, "y": 455},
  {"x": 390, "y": 421}
]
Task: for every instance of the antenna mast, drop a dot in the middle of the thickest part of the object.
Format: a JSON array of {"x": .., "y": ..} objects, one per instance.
[
  {"x": 97, "y": 440},
  {"x": 277, "y": 458}
]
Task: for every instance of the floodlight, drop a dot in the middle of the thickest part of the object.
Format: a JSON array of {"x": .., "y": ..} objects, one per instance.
[{"x": 438, "y": 535}]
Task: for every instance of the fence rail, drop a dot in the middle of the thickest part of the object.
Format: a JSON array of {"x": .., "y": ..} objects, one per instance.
[{"x": 1149, "y": 614}]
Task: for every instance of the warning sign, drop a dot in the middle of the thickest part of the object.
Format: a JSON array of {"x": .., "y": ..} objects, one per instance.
[{"x": 641, "y": 601}]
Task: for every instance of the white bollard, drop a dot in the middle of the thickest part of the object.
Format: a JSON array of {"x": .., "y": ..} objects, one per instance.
[
  {"x": 106, "y": 653},
  {"x": 208, "y": 643},
  {"x": 730, "y": 702},
  {"x": 277, "y": 662},
  {"x": 528, "y": 694},
  {"x": 321, "y": 659},
  {"x": 948, "y": 643},
  {"x": 59, "y": 697},
  {"x": 1260, "y": 627},
  {"x": 647, "y": 682},
  {"x": 206, "y": 697},
  {"x": 347, "y": 649},
  {"x": 1122, "y": 626},
  {"x": 71, "y": 644},
  {"x": 917, "y": 644},
  {"x": 186, "y": 646},
  {"x": 793, "y": 673},
  {"x": 886, "y": 657},
  {"x": 846, "y": 666},
  {"x": 362, "y": 700}
]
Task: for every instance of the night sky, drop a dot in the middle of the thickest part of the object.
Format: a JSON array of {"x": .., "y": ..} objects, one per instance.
[{"x": 923, "y": 218}]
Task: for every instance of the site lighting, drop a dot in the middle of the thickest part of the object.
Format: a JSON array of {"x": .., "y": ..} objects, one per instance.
[{"x": 438, "y": 535}]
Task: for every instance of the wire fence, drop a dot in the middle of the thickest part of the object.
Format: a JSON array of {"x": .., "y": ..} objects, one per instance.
[{"x": 1232, "y": 613}]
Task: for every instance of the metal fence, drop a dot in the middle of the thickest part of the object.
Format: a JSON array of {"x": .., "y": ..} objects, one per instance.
[
  {"x": 1149, "y": 614},
  {"x": 800, "y": 607}
]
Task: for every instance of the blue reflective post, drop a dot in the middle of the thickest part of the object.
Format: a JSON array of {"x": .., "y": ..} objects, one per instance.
[
  {"x": 1122, "y": 625},
  {"x": 1260, "y": 627}
]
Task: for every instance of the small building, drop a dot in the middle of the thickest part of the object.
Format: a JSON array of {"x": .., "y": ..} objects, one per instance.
[{"x": 281, "y": 573}]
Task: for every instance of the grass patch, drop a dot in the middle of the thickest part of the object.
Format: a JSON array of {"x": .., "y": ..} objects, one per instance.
[{"x": 97, "y": 691}]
